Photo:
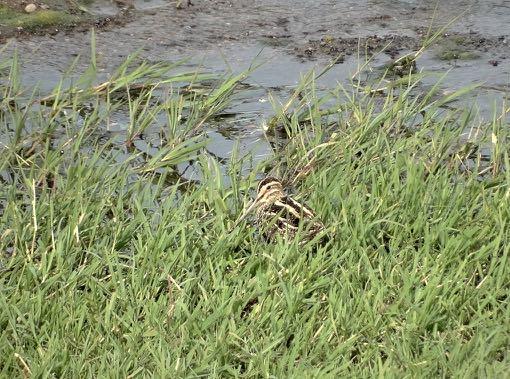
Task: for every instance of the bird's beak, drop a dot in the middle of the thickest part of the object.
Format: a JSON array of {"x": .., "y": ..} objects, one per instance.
[{"x": 250, "y": 207}]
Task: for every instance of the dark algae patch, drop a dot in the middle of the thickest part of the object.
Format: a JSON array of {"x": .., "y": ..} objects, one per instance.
[
  {"x": 340, "y": 46},
  {"x": 402, "y": 66},
  {"x": 47, "y": 17},
  {"x": 448, "y": 46},
  {"x": 462, "y": 47},
  {"x": 450, "y": 54},
  {"x": 35, "y": 21}
]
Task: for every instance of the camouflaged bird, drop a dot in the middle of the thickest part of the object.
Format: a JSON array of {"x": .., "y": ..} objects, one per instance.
[{"x": 279, "y": 214}]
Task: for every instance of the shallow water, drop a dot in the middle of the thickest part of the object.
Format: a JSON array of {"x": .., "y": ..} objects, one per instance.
[{"x": 230, "y": 35}]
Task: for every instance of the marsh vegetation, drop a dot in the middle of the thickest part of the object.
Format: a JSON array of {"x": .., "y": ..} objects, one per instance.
[{"x": 112, "y": 262}]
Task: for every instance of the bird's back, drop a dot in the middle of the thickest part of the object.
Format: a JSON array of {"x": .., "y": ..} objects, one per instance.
[{"x": 285, "y": 216}]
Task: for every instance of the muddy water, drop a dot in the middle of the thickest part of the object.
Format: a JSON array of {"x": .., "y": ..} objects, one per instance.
[{"x": 224, "y": 35}]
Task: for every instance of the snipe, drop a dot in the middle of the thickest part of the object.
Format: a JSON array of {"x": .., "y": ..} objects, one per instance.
[{"x": 279, "y": 214}]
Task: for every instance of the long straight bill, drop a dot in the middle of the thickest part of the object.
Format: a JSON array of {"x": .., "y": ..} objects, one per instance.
[{"x": 252, "y": 205}]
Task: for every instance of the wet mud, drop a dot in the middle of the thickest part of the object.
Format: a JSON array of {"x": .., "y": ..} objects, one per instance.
[{"x": 303, "y": 28}]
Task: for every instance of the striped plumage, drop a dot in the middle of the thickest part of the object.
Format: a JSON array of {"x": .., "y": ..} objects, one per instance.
[{"x": 278, "y": 213}]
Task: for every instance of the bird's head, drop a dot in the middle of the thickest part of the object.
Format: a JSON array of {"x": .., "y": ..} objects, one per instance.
[{"x": 269, "y": 190}]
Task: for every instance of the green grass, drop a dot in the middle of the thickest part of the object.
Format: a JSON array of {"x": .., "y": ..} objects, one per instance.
[
  {"x": 35, "y": 21},
  {"x": 113, "y": 266}
]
